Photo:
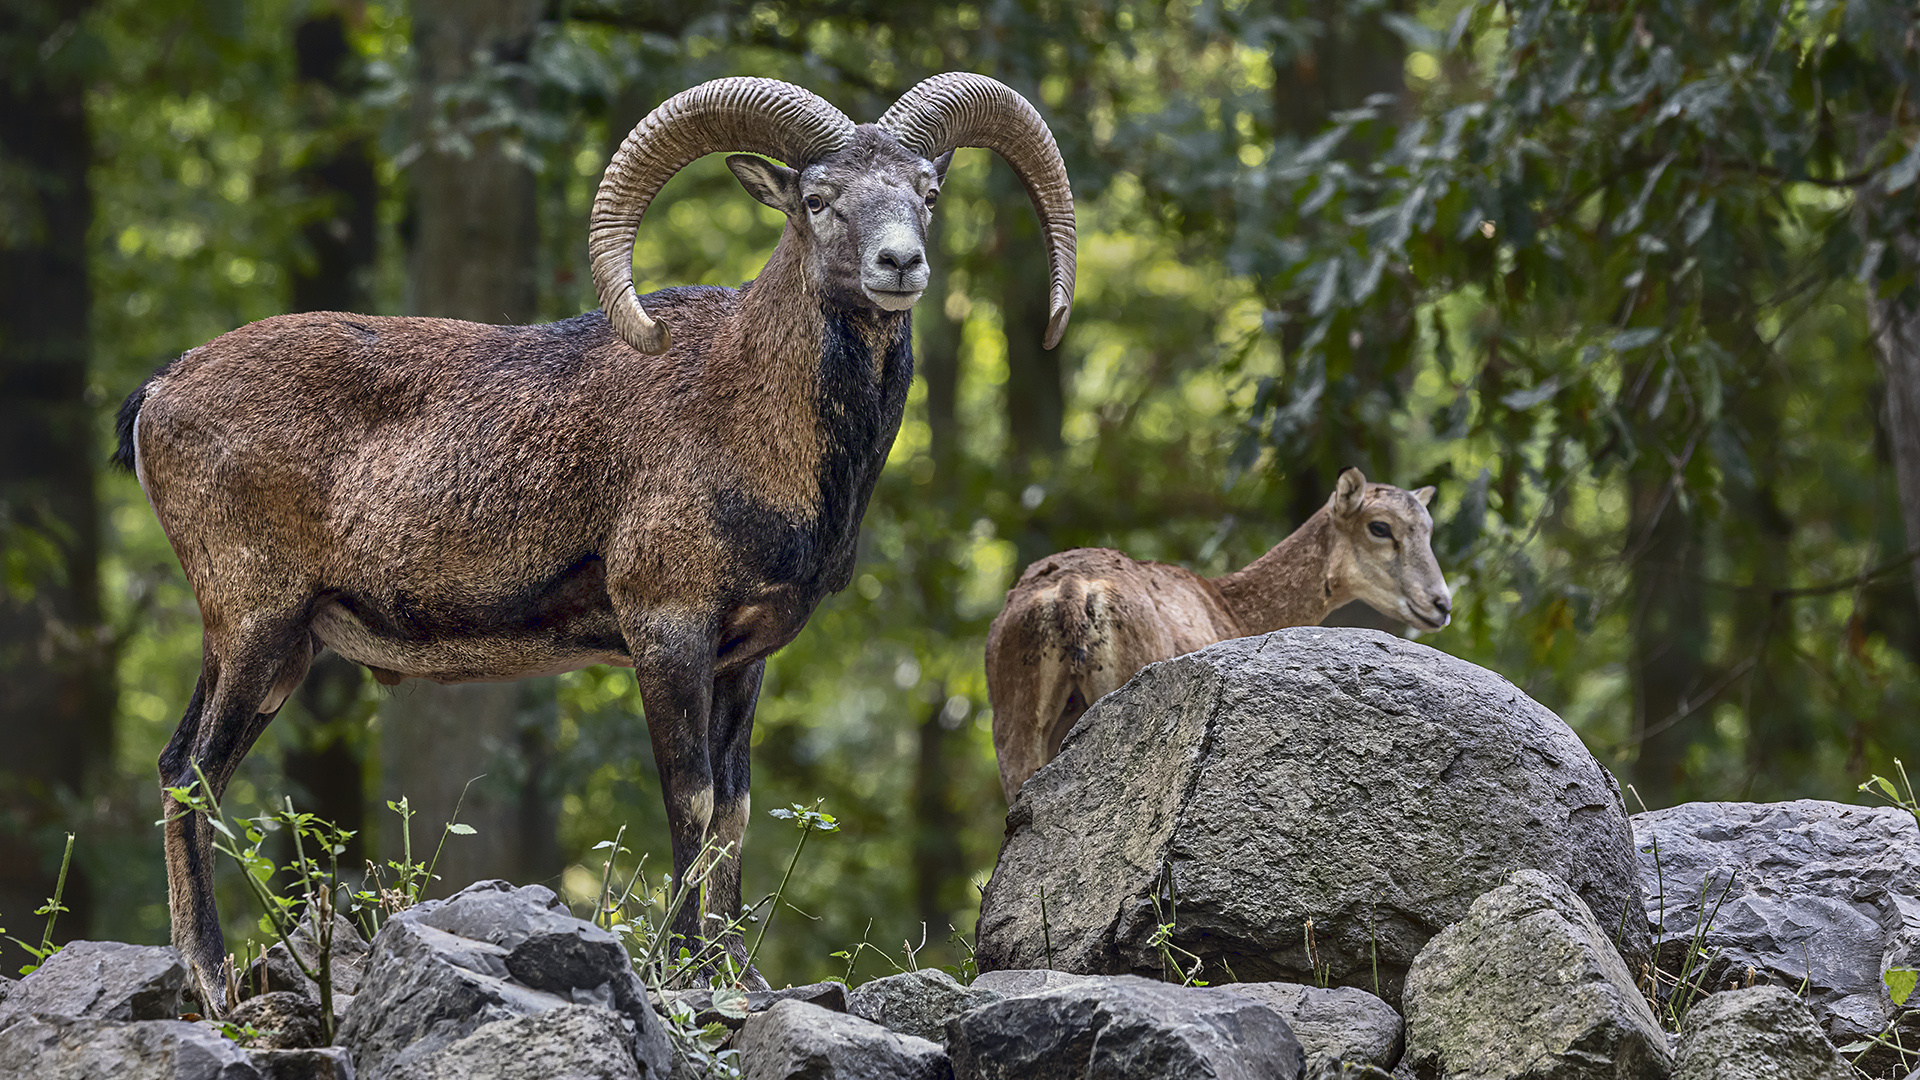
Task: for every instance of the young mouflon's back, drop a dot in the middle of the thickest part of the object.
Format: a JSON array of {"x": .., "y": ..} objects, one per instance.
[{"x": 1080, "y": 623}]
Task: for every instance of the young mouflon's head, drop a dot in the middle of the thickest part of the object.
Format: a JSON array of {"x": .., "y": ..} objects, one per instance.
[{"x": 1384, "y": 550}]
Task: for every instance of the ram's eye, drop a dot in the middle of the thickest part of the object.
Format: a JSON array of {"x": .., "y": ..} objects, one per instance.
[
  {"x": 816, "y": 204},
  {"x": 1380, "y": 529},
  {"x": 933, "y": 197}
]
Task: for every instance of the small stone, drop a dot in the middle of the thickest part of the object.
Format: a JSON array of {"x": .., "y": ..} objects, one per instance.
[
  {"x": 1124, "y": 1028},
  {"x": 917, "y": 1003},
  {"x": 794, "y": 1040},
  {"x": 1342, "y": 1022},
  {"x": 285, "y": 1019},
  {"x": 1761, "y": 1033}
]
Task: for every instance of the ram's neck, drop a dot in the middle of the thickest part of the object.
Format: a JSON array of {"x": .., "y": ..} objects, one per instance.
[{"x": 1289, "y": 585}]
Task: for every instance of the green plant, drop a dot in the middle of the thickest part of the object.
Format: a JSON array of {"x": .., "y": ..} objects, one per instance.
[
  {"x": 1900, "y": 982},
  {"x": 51, "y": 909},
  {"x": 644, "y": 913},
  {"x": 1177, "y": 965},
  {"x": 379, "y": 899},
  {"x": 1881, "y": 786},
  {"x": 315, "y": 892}
]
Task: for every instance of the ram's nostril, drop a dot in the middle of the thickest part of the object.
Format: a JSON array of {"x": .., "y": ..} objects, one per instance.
[
  {"x": 1444, "y": 604},
  {"x": 900, "y": 261}
]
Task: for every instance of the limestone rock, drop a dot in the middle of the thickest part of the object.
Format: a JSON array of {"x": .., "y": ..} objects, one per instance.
[
  {"x": 285, "y": 1019},
  {"x": 1529, "y": 987},
  {"x": 52, "y": 1047},
  {"x": 796, "y": 1040},
  {"x": 1762, "y": 1033},
  {"x": 827, "y": 995},
  {"x": 103, "y": 980},
  {"x": 1341, "y": 1022},
  {"x": 441, "y": 971},
  {"x": 917, "y": 1003},
  {"x": 578, "y": 1042},
  {"x": 1821, "y": 892},
  {"x": 1368, "y": 783},
  {"x": 1124, "y": 1028}
]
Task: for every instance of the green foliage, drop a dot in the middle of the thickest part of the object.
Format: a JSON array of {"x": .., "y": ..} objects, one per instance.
[{"x": 51, "y": 909}]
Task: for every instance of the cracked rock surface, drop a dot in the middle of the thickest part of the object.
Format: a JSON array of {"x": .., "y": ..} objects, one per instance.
[{"x": 1820, "y": 891}]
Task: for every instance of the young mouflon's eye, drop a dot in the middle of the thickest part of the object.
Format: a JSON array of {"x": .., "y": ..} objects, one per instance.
[
  {"x": 933, "y": 197},
  {"x": 816, "y": 204},
  {"x": 1380, "y": 529}
]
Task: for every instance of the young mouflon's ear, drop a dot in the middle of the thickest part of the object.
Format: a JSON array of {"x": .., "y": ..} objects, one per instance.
[
  {"x": 940, "y": 166},
  {"x": 1425, "y": 495},
  {"x": 773, "y": 184},
  {"x": 1348, "y": 489}
]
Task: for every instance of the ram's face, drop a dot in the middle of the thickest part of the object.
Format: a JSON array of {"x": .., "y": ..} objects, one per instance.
[{"x": 863, "y": 212}]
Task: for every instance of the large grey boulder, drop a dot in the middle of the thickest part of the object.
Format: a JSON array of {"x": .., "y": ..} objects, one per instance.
[
  {"x": 1367, "y": 783},
  {"x": 796, "y": 1040},
  {"x": 443, "y": 970},
  {"x": 577, "y": 1042},
  {"x": 1342, "y": 1022},
  {"x": 1529, "y": 987},
  {"x": 1822, "y": 892},
  {"x": 917, "y": 1003},
  {"x": 102, "y": 980},
  {"x": 1761, "y": 1033},
  {"x": 1124, "y": 1028},
  {"x": 52, "y": 1047}
]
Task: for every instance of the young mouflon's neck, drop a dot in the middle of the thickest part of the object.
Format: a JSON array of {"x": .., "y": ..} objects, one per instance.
[{"x": 1289, "y": 585}]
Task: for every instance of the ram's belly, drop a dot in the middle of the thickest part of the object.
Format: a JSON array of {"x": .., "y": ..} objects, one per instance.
[{"x": 562, "y": 624}]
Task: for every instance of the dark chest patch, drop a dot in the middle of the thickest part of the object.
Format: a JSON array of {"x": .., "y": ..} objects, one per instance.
[{"x": 857, "y": 413}]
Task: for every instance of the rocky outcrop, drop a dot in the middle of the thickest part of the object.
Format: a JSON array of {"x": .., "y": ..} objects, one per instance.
[
  {"x": 491, "y": 953},
  {"x": 580, "y": 1042},
  {"x": 1370, "y": 784},
  {"x": 1528, "y": 987},
  {"x": 1762, "y": 1033},
  {"x": 1821, "y": 893},
  {"x": 1124, "y": 1028}
]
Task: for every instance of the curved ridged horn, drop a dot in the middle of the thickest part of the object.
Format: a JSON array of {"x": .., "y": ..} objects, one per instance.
[
  {"x": 963, "y": 109},
  {"x": 758, "y": 116}
]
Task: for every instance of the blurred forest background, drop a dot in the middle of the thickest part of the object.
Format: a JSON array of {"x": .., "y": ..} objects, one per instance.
[{"x": 1632, "y": 283}]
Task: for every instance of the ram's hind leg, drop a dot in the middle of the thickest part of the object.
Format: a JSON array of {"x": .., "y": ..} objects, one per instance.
[
  {"x": 1026, "y": 712},
  {"x": 244, "y": 677}
]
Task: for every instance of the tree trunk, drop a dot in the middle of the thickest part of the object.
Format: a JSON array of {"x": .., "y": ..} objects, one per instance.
[
  {"x": 1669, "y": 625},
  {"x": 474, "y": 256},
  {"x": 56, "y": 669},
  {"x": 1897, "y": 339},
  {"x": 1036, "y": 400},
  {"x": 938, "y": 862},
  {"x": 323, "y": 733}
]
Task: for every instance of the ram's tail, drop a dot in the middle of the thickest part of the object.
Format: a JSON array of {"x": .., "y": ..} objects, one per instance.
[{"x": 123, "y": 456}]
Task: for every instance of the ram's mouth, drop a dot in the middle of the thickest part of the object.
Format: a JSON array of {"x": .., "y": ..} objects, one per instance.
[
  {"x": 893, "y": 299},
  {"x": 1428, "y": 621}
]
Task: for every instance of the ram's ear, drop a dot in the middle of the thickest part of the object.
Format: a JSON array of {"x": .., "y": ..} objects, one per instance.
[
  {"x": 771, "y": 183},
  {"x": 1425, "y": 495},
  {"x": 1348, "y": 490},
  {"x": 940, "y": 166}
]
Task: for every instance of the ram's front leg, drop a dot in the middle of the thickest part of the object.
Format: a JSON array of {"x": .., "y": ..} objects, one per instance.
[
  {"x": 730, "y": 741},
  {"x": 673, "y": 664}
]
